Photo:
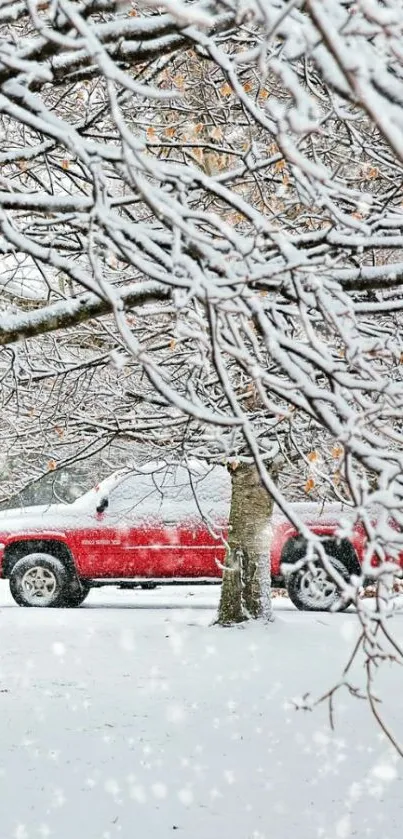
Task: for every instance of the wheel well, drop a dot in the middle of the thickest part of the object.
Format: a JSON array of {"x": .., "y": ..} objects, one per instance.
[
  {"x": 17, "y": 550},
  {"x": 295, "y": 548}
]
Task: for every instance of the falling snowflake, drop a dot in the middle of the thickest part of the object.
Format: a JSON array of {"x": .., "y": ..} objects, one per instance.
[
  {"x": 159, "y": 790},
  {"x": 185, "y": 796}
]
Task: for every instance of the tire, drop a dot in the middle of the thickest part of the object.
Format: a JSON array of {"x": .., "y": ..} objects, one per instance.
[
  {"x": 318, "y": 592},
  {"x": 76, "y": 592},
  {"x": 39, "y": 580}
]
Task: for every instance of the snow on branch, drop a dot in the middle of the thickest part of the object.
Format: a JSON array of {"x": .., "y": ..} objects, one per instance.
[{"x": 67, "y": 313}]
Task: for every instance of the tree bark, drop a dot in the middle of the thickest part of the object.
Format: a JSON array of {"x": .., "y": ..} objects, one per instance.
[{"x": 246, "y": 585}]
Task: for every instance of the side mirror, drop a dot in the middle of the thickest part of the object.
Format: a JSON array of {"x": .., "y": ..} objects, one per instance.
[{"x": 102, "y": 504}]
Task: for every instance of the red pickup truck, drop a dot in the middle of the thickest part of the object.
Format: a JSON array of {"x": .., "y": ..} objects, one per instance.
[{"x": 159, "y": 524}]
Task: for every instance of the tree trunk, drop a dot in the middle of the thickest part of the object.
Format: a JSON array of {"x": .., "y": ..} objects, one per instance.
[{"x": 246, "y": 585}]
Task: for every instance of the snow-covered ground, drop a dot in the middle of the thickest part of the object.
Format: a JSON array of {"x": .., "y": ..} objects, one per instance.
[{"x": 133, "y": 717}]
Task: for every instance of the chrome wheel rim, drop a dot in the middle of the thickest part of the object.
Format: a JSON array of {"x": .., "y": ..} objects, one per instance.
[
  {"x": 39, "y": 585},
  {"x": 317, "y": 588}
]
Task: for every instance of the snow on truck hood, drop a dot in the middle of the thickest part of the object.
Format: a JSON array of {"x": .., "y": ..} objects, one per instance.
[
  {"x": 19, "y": 513},
  {"x": 40, "y": 516},
  {"x": 317, "y": 510}
]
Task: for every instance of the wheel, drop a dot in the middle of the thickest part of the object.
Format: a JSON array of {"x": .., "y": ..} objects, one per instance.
[
  {"x": 76, "y": 593},
  {"x": 312, "y": 588},
  {"x": 39, "y": 580}
]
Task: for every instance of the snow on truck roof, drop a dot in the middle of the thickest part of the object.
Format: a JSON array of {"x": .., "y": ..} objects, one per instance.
[{"x": 209, "y": 482}]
